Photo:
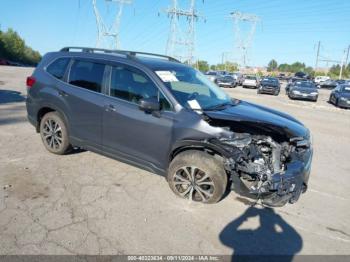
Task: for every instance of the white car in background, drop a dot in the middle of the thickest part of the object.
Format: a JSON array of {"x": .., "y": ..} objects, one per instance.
[
  {"x": 251, "y": 81},
  {"x": 213, "y": 76},
  {"x": 319, "y": 79}
]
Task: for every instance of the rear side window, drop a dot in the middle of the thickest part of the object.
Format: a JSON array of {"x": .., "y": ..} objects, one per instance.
[
  {"x": 58, "y": 67},
  {"x": 86, "y": 74}
]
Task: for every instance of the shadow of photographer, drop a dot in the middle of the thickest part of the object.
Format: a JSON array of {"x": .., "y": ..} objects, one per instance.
[{"x": 274, "y": 237}]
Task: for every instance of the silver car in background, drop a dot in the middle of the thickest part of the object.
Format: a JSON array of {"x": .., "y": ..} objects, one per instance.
[{"x": 251, "y": 81}]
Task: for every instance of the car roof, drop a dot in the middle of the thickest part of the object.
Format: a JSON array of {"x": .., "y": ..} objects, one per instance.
[{"x": 150, "y": 60}]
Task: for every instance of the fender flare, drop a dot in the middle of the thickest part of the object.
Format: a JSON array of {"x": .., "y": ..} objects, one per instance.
[
  {"x": 192, "y": 144},
  {"x": 55, "y": 108}
]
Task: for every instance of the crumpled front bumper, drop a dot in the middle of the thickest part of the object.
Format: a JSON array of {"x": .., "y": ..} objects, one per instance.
[
  {"x": 282, "y": 187},
  {"x": 288, "y": 186}
]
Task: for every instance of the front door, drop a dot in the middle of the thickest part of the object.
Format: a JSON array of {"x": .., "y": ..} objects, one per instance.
[{"x": 129, "y": 131}]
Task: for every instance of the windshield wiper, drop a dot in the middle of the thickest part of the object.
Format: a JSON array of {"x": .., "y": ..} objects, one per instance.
[{"x": 218, "y": 106}]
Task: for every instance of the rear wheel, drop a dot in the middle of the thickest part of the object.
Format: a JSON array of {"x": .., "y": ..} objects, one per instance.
[
  {"x": 197, "y": 176},
  {"x": 54, "y": 134}
]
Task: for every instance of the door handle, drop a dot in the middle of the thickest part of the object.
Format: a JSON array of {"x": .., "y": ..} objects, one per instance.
[
  {"x": 110, "y": 108},
  {"x": 62, "y": 93}
]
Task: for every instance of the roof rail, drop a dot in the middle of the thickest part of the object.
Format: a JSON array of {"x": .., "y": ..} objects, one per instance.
[{"x": 129, "y": 54}]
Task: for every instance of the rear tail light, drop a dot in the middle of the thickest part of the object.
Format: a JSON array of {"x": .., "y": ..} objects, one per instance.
[{"x": 30, "y": 81}]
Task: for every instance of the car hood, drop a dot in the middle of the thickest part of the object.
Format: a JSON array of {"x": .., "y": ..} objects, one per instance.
[
  {"x": 268, "y": 84},
  {"x": 250, "y": 118}
]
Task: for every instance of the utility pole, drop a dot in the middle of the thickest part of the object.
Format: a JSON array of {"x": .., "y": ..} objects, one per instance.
[
  {"x": 224, "y": 59},
  {"x": 347, "y": 56},
  {"x": 176, "y": 39},
  {"x": 318, "y": 53},
  {"x": 104, "y": 32},
  {"x": 342, "y": 63},
  {"x": 243, "y": 44}
]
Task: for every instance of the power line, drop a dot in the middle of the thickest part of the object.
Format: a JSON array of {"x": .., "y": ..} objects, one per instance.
[
  {"x": 243, "y": 44},
  {"x": 178, "y": 40},
  {"x": 112, "y": 32}
]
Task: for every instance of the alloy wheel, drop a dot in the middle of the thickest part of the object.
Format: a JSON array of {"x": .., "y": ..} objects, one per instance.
[
  {"x": 193, "y": 183},
  {"x": 52, "y": 134}
]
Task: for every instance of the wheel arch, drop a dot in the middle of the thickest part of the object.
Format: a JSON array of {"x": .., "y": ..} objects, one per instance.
[
  {"x": 199, "y": 145},
  {"x": 46, "y": 108}
]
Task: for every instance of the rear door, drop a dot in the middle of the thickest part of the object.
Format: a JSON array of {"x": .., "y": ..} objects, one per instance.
[
  {"x": 83, "y": 94},
  {"x": 129, "y": 131}
]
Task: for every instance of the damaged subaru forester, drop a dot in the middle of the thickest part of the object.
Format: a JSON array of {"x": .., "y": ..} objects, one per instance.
[{"x": 156, "y": 113}]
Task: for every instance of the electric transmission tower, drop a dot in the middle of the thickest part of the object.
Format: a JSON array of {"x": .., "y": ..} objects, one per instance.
[
  {"x": 182, "y": 44},
  {"x": 105, "y": 34},
  {"x": 243, "y": 42}
]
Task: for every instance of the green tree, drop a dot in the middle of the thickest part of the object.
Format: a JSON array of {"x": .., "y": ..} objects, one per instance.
[
  {"x": 13, "y": 47},
  {"x": 203, "y": 66},
  {"x": 272, "y": 65}
]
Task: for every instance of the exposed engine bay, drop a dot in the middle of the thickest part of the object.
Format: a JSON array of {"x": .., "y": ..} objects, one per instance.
[{"x": 264, "y": 169}]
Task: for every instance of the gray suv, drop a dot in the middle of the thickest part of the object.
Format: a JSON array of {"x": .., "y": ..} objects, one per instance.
[{"x": 156, "y": 113}]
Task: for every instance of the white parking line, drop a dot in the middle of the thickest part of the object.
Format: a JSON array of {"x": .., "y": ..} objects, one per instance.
[
  {"x": 328, "y": 195},
  {"x": 322, "y": 235}
]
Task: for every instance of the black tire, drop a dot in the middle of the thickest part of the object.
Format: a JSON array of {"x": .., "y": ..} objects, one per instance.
[
  {"x": 330, "y": 99},
  {"x": 336, "y": 103},
  {"x": 54, "y": 133},
  {"x": 203, "y": 165}
]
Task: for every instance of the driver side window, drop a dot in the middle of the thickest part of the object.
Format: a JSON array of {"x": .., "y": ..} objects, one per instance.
[{"x": 131, "y": 84}]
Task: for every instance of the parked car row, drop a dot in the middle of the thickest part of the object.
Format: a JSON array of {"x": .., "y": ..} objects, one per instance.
[{"x": 301, "y": 86}]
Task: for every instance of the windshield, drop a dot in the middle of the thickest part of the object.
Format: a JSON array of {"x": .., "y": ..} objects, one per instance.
[
  {"x": 346, "y": 89},
  {"x": 192, "y": 89},
  {"x": 269, "y": 81},
  {"x": 305, "y": 84}
]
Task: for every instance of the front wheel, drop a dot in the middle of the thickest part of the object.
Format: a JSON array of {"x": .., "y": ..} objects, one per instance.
[
  {"x": 197, "y": 176},
  {"x": 54, "y": 134}
]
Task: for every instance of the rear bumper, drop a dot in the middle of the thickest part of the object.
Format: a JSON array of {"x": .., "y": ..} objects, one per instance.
[
  {"x": 250, "y": 85},
  {"x": 31, "y": 113}
]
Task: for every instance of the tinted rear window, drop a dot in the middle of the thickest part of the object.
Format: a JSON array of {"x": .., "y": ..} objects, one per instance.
[
  {"x": 87, "y": 75},
  {"x": 250, "y": 77},
  {"x": 58, "y": 67}
]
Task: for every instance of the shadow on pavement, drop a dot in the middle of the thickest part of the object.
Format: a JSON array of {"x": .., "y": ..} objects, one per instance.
[
  {"x": 10, "y": 96},
  {"x": 274, "y": 236}
]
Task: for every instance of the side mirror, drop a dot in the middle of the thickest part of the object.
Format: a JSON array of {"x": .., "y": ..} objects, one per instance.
[{"x": 149, "y": 104}]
